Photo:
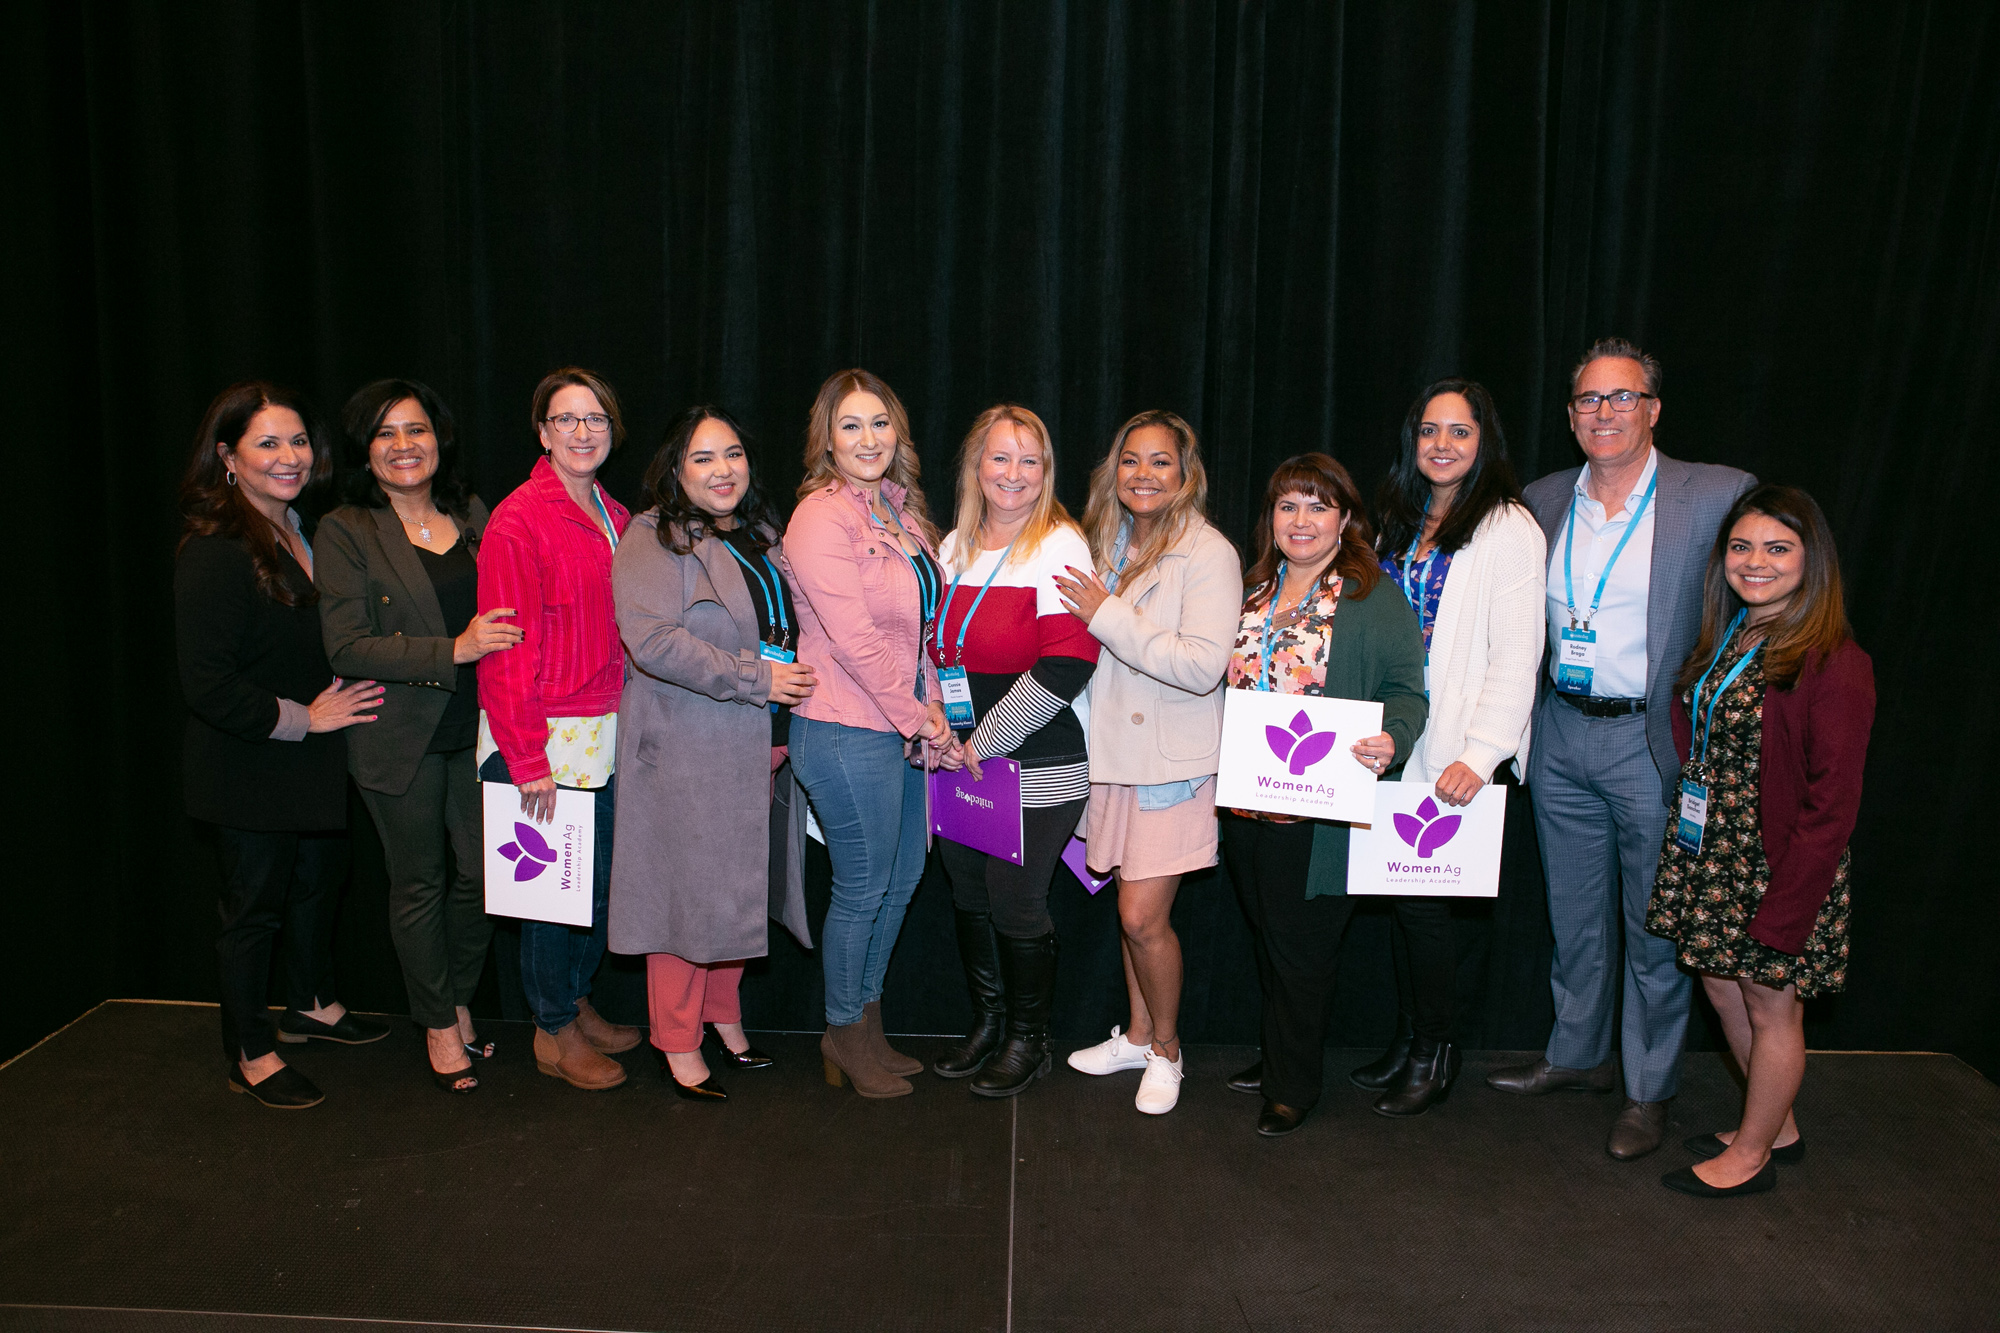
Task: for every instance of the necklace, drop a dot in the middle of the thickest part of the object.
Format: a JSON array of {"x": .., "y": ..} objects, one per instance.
[{"x": 422, "y": 525}]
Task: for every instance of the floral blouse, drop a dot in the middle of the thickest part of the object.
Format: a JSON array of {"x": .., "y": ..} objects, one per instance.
[
  {"x": 1422, "y": 584},
  {"x": 1299, "y": 640}
]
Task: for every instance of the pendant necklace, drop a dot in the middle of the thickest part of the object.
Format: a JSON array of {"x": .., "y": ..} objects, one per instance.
[{"x": 423, "y": 526}]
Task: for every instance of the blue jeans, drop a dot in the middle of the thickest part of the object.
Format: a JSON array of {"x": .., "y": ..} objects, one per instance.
[
  {"x": 870, "y": 804},
  {"x": 558, "y": 961}
]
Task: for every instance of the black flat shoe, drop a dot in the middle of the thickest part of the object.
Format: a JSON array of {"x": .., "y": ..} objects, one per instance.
[
  {"x": 460, "y": 1081},
  {"x": 1277, "y": 1120},
  {"x": 1250, "y": 1080},
  {"x": 1687, "y": 1182},
  {"x": 747, "y": 1058},
  {"x": 1708, "y": 1147},
  {"x": 286, "y": 1090},
  {"x": 352, "y": 1030}
]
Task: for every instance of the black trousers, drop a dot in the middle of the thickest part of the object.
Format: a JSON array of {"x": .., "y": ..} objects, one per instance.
[
  {"x": 1016, "y": 895},
  {"x": 275, "y": 885},
  {"x": 1426, "y": 965}
]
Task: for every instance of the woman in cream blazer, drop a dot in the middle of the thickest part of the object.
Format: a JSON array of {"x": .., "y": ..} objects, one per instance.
[
  {"x": 1470, "y": 559},
  {"x": 1163, "y": 603}
]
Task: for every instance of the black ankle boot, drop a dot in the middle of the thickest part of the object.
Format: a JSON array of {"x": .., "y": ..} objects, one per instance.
[
  {"x": 981, "y": 956},
  {"x": 1030, "y": 969},
  {"x": 1385, "y": 1070},
  {"x": 1427, "y": 1079}
]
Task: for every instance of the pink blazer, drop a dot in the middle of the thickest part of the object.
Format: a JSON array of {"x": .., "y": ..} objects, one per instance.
[{"x": 860, "y": 618}]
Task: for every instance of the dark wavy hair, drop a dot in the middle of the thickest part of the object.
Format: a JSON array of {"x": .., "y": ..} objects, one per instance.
[
  {"x": 1321, "y": 477},
  {"x": 1404, "y": 494},
  {"x": 211, "y": 507},
  {"x": 682, "y": 522},
  {"x": 363, "y": 416},
  {"x": 1813, "y": 624}
]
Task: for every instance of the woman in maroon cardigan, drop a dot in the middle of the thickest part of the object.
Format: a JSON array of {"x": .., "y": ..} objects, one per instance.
[{"x": 1772, "y": 721}]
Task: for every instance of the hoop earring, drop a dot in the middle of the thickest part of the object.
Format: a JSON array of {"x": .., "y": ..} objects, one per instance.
[{"x": 229, "y": 478}]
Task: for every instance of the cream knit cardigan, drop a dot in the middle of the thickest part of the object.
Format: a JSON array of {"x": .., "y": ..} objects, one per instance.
[{"x": 1485, "y": 649}]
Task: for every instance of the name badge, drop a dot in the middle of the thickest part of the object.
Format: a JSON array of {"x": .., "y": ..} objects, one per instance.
[
  {"x": 1694, "y": 816},
  {"x": 1576, "y": 660},
  {"x": 956, "y": 695},
  {"x": 771, "y": 652}
]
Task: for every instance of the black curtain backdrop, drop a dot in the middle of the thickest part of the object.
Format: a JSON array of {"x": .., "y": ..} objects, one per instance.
[{"x": 1279, "y": 220}]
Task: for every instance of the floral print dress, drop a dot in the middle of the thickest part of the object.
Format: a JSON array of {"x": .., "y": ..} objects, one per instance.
[
  {"x": 1704, "y": 902},
  {"x": 1299, "y": 641}
]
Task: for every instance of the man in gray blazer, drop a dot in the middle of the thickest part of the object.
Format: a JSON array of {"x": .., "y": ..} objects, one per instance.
[{"x": 1629, "y": 536}]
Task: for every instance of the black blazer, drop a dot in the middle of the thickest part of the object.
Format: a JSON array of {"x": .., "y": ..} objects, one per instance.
[
  {"x": 381, "y": 621},
  {"x": 239, "y": 653}
]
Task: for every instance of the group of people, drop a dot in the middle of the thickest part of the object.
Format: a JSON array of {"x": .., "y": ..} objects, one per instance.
[{"x": 1670, "y": 635}]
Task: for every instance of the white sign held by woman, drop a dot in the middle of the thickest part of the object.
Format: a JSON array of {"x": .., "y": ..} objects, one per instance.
[
  {"x": 1419, "y": 847},
  {"x": 539, "y": 872},
  {"x": 1289, "y": 754}
]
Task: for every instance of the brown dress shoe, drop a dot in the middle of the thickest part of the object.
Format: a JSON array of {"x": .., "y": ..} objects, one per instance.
[
  {"x": 850, "y": 1058},
  {"x": 886, "y": 1055},
  {"x": 567, "y": 1056},
  {"x": 611, "y": 1038},
  {"x": 1532, "y": 1080},
  {"x": 1638, "y": 1129}
]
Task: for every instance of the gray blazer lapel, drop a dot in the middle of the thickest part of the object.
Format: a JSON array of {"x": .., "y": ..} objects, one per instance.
[
  {"x": 403, "y": 561},
  {"x": 731, "y": 584},
  {"x": 1673, "y": 536}
]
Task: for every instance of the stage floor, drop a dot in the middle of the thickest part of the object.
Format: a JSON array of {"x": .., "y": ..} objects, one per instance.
[{"x": 140, "y": 1195}]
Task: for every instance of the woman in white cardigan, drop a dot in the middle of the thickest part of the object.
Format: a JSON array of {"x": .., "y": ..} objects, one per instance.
[{"x": 1470, "y": 559}]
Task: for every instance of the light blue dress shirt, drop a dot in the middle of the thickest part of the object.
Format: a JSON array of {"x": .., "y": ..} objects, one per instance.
[{"x": 1621, "y": 617}]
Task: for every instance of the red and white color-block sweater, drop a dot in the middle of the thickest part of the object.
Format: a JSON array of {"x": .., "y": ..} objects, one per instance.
[{"x": 1026, "y": 659}]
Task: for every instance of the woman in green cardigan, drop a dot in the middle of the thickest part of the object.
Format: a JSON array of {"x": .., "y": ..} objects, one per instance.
[{"x": 1309, "y": 626}]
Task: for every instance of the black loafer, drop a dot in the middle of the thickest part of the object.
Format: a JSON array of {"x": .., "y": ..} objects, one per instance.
[
  {"x": 1277, "y": 1120},
  {"x": 1708, "y": 1147},
  {"x": 352, "y": 1029},
  {"x": 1687, "y": 1182},
  {"x": 286, "y": 1090},
  {"x": 1250, "y": 1080},
  {"x": 747, "y": 1058}
]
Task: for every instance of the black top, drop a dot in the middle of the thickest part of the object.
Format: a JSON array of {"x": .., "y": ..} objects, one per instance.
[
  {"x": 455, "y": 579},
  {"x": 760, "y": 578},
  {"x": 239, "y": 653}
]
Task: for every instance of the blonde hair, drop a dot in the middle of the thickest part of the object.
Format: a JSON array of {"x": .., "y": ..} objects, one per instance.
[
  {"x": 1105, "y": 513},
  {"x": 904, "y": 469},
  {"x": 1049, "y": 513}
]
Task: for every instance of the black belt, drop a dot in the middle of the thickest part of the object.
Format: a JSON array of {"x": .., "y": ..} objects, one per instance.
[{"x": 1590, "y": 707}]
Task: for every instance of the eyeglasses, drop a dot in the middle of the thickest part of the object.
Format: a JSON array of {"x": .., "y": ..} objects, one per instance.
[
  {"x": 567, "y": 422},
  {"x": 1622, "y": 400}
]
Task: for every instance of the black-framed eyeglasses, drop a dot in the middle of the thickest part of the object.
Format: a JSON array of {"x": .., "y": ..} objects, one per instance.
[
  {"x": 1621, "y": 400},
  {"x": 566, "y": 422}
]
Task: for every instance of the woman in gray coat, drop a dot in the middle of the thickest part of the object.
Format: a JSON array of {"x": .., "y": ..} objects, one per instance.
[{"x": 710, "y": 825}]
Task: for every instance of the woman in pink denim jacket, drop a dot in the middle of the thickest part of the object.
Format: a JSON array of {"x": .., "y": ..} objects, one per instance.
[{"x": 860, "y": 547}]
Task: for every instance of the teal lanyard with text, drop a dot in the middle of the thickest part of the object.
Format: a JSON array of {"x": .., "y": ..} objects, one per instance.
[
  {"x": 1270, "y": 613},
  {"x": 958, "y": 651},
  {"x": 774, "y": 595},
  {"x": 1569, "y": 539},
  {"x": 1708, "y": 719},
  {"x": 610, "y": 528},
  {"x": 926, "y": 603}
]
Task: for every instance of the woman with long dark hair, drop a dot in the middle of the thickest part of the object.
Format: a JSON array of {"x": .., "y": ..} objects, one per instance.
[
  {"x": 1771, "y": 718},
  {"x": 398, "y": 585},
  {"x": 711, "y": 630},
  {"x": 265, "y": 760},
  {"x": 1315, "y": 621},
  {"x": 1469, "y": 558}
]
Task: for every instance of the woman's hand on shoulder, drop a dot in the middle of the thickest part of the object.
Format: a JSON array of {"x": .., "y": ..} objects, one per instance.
[
  {"x": 1082, "y": 592},
  {"x": 342, "y": 705}
]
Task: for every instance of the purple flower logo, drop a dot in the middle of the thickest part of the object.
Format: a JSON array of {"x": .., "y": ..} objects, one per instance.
[
  {"x": 1424, "y": 830},
  {"x": 531, "y": 855},
  {"x": 1301, "y": 747}
]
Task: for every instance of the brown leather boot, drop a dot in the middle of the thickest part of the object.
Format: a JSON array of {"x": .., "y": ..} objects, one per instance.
[
  {"x": 611, "y": 1038},
  {"x": 850, "y": 1058},
  {"x": 891, "y": 1059},
  {"x": 568, "y": 1056}
]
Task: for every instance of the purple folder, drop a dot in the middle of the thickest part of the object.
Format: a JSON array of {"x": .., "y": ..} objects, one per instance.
[
  {"x": 1073, "y": 857},
  {"x": 984, "y": 815}
]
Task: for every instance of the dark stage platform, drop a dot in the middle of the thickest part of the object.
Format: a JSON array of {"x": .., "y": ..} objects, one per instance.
[{"x": 140, "y": 1195}]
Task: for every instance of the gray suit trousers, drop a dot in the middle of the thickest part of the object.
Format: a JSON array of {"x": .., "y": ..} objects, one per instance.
[{"x": 1601, "y": 816}]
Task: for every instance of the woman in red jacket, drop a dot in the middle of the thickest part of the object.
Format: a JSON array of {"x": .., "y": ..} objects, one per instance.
[{"x": 1772, "y": 723}]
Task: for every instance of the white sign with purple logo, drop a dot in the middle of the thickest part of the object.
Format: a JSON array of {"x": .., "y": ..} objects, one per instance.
[
  {"x": 1289, "y": 754},
  {"x": 1419, "y": 847},
  {"x": 540, "y": 872}
]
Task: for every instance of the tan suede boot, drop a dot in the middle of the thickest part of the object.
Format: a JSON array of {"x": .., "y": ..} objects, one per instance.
[
  {"x": 611, "y": 1038},
  {"x": 567, "y": 1056},
  {"x": 891, "y": 1059},
  {"x": 850, "y": 1058}
]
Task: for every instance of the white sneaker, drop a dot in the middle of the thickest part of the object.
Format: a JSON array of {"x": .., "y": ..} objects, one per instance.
[
  {"x": 1160, "y": 1089},
  {"x": 1108, "y": 1057}
]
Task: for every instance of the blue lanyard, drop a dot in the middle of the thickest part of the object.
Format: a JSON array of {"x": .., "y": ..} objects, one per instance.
[
  {"x": 1270, "y": 612},
  {"x": 1120, "y": 553},
  {"x": 1569, "y": 538},
  {"x": 1416, "y": 597},
  {"x": 926, "y": 595},
  {"x": 610, "y": 528},
  {"x": 1708, "y": 719},
  {"x": 958, "y": 652},
  {"x": 774, "y": 595}
]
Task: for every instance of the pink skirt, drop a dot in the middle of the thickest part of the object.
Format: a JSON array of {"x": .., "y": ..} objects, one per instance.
[{"x": 1149, "y": 844}]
